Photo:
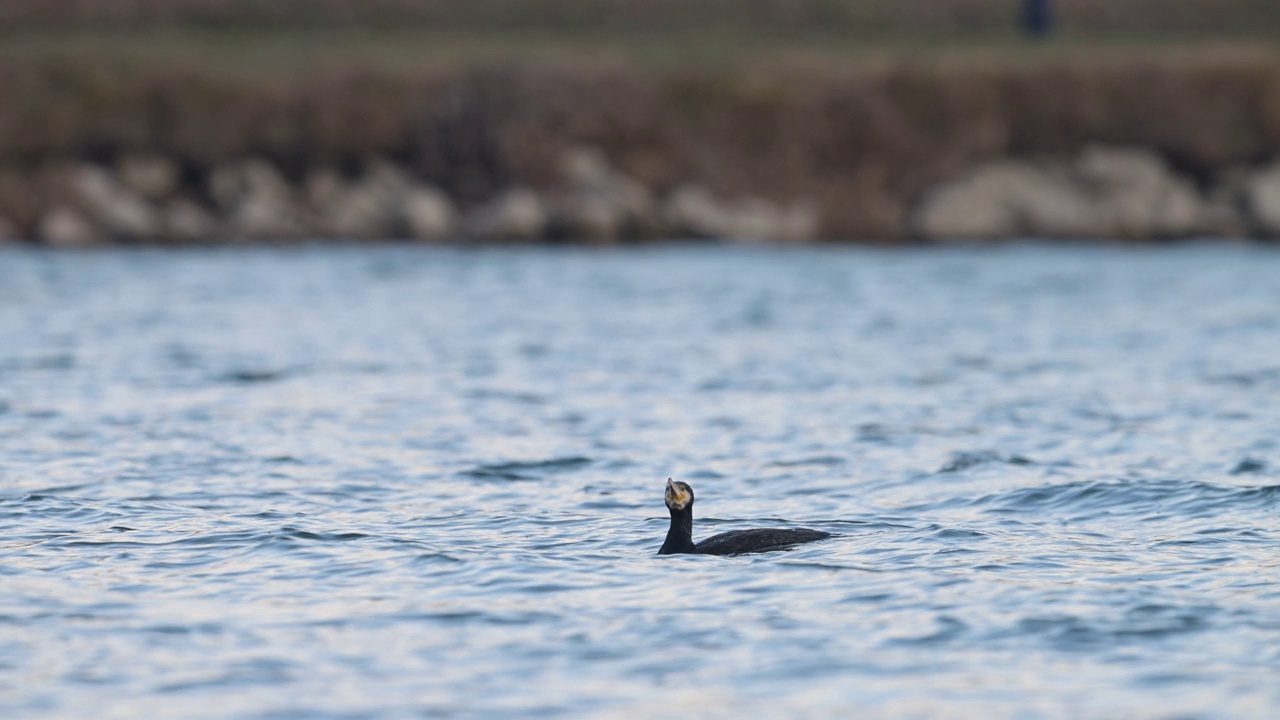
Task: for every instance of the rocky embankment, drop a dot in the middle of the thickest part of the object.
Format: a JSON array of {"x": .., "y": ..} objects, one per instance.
[
  {"x": 1106, "y": 193},
  {"x": 1143, "y": 146},
  {"x": 146, "y": 199},
  {"x": 1110, "y": 193}
]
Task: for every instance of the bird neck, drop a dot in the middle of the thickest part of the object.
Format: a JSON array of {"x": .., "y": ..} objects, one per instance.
[{"x": 680, "y": 535}]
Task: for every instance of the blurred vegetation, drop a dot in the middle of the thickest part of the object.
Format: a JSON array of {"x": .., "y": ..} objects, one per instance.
[
  {"x": 857, "y": 105},
  {"x": 268, "y": 34},
  {"x": 862, "y": 140},
  {"x": 844, "y": 18}
]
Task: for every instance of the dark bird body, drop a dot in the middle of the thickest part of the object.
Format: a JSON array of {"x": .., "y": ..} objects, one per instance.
[{"x": 680, "y": 535}]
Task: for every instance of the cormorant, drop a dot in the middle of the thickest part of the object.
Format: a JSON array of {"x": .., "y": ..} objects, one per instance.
[{"x": 680, "y": 536}]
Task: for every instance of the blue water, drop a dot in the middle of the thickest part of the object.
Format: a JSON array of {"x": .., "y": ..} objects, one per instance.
[{"x": 403, "y": 482}]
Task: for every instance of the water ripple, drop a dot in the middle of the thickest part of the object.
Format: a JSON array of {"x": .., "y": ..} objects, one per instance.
[{"x": 407, "y": 482}]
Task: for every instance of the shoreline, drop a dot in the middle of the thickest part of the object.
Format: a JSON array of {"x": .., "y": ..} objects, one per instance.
[
  {"x": 1147, "y": 144},
  {"x": 1105, "y": 194},
  {"x": 659, "y": 244}
]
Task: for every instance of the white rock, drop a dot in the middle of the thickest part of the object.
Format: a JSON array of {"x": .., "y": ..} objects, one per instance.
[
  {"x": 1261, "y": 196},
  {"x": 257, "y": 200},
  {"x": 151, "y": 177},
  {"x": 1138, "y": 196},
  {"x": 231, "y": 184},
  {"x": 694, "y": 211},
  {"x": 753, "y": 219},
  {"x": 1107, "y": 192},
  {"x": 363, "y": 210},
  {"x": 386, "y": 177},
  {"x": 1006, "y": 199},
  {"x": 598, "y": 203},
  {"x": 581, "y": 166},
  {"x": 758, "y": 220},
  {"x": 323, "y": 187},
  {"x": 188, "y": 221},
  {"x": 428, "y": 214},
  {"x": 800, "y": 222},
  {"x": 264, "y": 217},
  {"x": 62, "y": 226},
  {"x": 1226, "y": 213},
  {"x": 587, "y": 216},
  {"x": 116, "y": 209},
  {"x": 691, "y": 210},
  {"x": 518, "y": 214},
  {"x": 384, "y": 203}
]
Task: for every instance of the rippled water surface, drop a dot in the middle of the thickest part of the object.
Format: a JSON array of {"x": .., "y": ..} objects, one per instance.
[{"x": 398, "y": 482}]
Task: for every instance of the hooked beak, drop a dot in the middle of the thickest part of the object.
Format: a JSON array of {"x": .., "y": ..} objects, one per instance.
[{"x": 677, "y": 497}]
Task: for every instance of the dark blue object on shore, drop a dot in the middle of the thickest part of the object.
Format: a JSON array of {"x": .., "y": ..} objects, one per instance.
[{"x": 1037, "y": 18}]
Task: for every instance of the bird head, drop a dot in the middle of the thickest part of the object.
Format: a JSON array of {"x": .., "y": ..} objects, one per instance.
[{"x": 679, "y": 495}]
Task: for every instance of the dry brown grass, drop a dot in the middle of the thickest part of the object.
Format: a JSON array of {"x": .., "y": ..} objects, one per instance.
[
  {"x": 864, "y": 135},
  {"x": 860, "y": 105},
  {"x": 839, "y": 17}
]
